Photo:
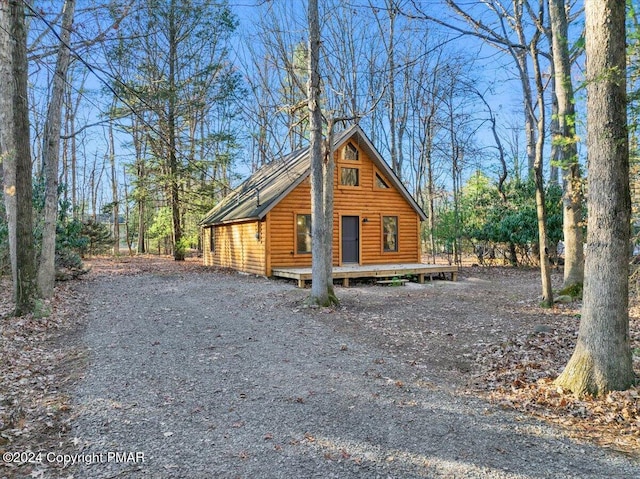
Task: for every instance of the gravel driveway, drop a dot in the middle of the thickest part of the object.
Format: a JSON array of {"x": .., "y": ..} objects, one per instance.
[{"x": 214, "y": 375}]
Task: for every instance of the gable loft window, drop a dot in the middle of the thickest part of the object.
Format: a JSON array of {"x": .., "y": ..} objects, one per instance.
[
  {"x": 350, "y": 152},
  {"x": 212, "y": 239},
  {"x": 380, "y": 182},
  {"x": 349, "y": 176},
  {"x": 303, "y": 234},
  {"x": 390, "y": 233}
]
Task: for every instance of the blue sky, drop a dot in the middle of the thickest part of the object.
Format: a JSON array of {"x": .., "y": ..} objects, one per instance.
[{"x": 492, "y": 71}]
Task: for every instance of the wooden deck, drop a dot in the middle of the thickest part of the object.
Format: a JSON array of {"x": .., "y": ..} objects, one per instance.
[{"x": 345, "y": 273}]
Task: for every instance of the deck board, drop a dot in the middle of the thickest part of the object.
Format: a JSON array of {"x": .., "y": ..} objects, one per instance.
[{"x": 302, "y": 274}]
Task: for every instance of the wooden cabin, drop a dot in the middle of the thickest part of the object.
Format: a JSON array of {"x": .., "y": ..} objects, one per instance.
[{"x": 265, "y": 223}]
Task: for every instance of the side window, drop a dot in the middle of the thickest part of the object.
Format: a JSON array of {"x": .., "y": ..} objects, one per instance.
[
  {"x": 350, "y": 152},
  {"x": 212, "y": 239},
  {"x": 390, "y": 233},
  {"x": 380, "y": 182},
  {"x": 349, "y": 176},
  {"x": 303, "y": 233}
]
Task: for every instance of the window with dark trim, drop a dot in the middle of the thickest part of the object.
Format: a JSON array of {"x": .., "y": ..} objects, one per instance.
[
  {"x": 349, "y": 176},
  {"x": 303, "y": 234},
  {"x": 380, "y": 182},
  {"x": 350, "y": 152},
  {"x": 390, "y": 233}
]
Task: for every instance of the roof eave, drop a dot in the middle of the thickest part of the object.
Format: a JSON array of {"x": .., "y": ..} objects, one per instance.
[
  {"x": 284, "y": 193},
  {"x": 204, "y": 224}
]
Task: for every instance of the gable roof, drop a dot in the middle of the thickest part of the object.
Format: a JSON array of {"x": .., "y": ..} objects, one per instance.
[{"x": 263, "y": 190}]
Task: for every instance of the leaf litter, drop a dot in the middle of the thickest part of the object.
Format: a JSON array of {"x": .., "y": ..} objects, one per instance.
[
  {"x": 39, "y": 361},
  {"x": 519, "y": 374},
  {"x": 41, "y": 357},
  {"x": 514, "y": 367},
  {"x": 490, "y": 337}
]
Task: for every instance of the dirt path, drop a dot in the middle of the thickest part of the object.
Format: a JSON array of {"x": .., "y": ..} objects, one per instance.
[{"x": 213, "y": 375}]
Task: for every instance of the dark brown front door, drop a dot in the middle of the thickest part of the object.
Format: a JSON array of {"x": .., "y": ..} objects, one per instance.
[{"x": 350, "y": 239}]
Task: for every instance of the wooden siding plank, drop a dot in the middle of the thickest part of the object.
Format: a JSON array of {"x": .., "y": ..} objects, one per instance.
[
  {"x": 267, "y": 244},
  {"x": 237, "y": 246}
]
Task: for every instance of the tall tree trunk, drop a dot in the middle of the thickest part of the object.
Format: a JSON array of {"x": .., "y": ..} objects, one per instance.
[
  {"x": 432, "y": 210},
  {"x": 66, "y": 125},
  {"x": 602, "y": 360},
  {"x": 142, "y": 188},
  {"x": 328, "y": 169},
  {"x": 538, "y": 169},
  {"x": 392, "y": 88},
  {"x": 95, "y": 178},
  {"x": 555, "y": 155},
  {"x": 178, "y": 247},
  {"x": 16, "y": 155},
  {"x": 127, "y": 212},
  {"x": 74, "y": 174},
  {"x": 566, "y": 143},
  {"x": 321, "y": 280},
  {"x": 318, "y": 232},
  {"x": 554, "y": 129},
  {"x": 431, "y": 200},
  {"x": 455, "y": 157},
  {"x": 427, "y": 147},
  {"x": 455, "y": 152},
  {"x": 529, "y": 115},
  {"x": 50, "y": 157},
  {"x": 114, "y": 193},
  {"x": 7, "y": 134}
]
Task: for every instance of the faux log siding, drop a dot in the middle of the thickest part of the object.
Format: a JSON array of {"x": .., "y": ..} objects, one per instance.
[
  {"x": 207, "y": 255},
  {"x": 236, "y": 247},
  {"x": 282, "y": 227},
  {"x": 364, "y": 201}
]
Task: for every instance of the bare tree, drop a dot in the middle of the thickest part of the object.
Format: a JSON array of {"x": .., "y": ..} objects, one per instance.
[
  {"x": 321, "y": 192},
  {"x": 427, "y": 101},
  {"x": 538, "y": 168},
  {"x": 127, "y": 215},
  {"x": 565, "y": 142},
  {"x": 389, "y": 40},
  {"x": 141, "y": 179},
  {"x": 69, "y": 176},
  {"x": 177, "y": 81},
  {"x": 15, "y": 153},
  {"x": 7, "y": 134},
  {"x": 174, "y": 195},
  {"x": 510, "y": 33},
  {"x": 399, "y": 54},
  {"x": 51, "y": 154},
  {"x": 602, "y": 359},
  {"x": 115, "y": 202}
]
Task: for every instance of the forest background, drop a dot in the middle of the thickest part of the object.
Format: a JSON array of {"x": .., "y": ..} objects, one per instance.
[{"x": 167, "y": 105}]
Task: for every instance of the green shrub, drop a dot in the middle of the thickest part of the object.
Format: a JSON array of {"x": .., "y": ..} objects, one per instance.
[{"x": 98, "y": 238}]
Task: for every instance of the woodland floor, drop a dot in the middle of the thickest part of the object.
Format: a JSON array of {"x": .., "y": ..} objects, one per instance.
[{"x": 450, "y": 379}]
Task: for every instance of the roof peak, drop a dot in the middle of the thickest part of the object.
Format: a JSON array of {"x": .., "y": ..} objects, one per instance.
[{"x": 261, "y": 191}]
